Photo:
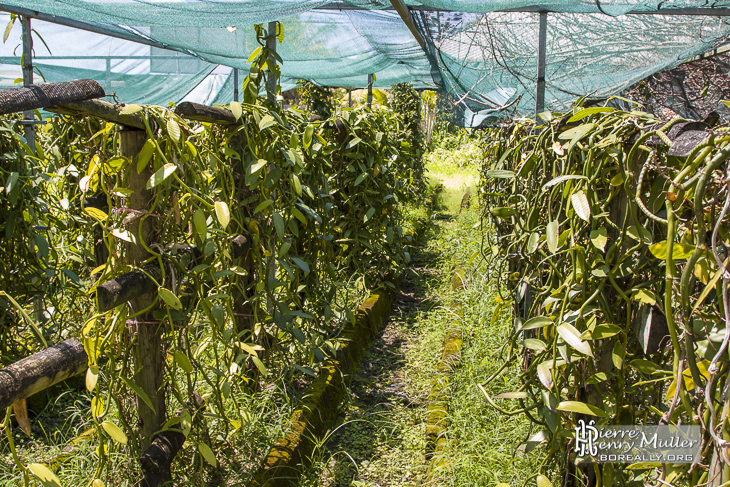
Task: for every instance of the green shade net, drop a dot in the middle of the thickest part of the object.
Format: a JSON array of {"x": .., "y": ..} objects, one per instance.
[
  {"x": 482, "y": 59},
  {"x": 487, "y": 61}
]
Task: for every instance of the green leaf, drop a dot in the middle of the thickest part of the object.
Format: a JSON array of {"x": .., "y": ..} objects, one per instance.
[
  {"x": 369, "y": 214},
  {"x": 503, "y": 212},
  {"x": 144, "y": 156},
  {"x": 131, "y": 109},
  {"x": 644, "y": 366},
  {"x": 544, "y": 373},
  {"x": 253, "y": 55},
  {"x": 183, "y": 361},
  {"x": 589, "y": 111},
  {"x": 639, "y": 234},
  {"x": 552, "y": 236},
  {"x": 207, "y": 454},
  {"x": 618, "y": 354},
  {"x": 512, "y": 395},
  {"x": 173, "y": 129},
  {"x": 307, "y": 139},
  {"x": 296, "y": 184},
  {"x": 12, "y": 182},
  {"x": 260, "y": 365},
  {"x": 191, "y": 149},
  {"x": 257, "y": 166},
  {"x": 576, "y": 133},
  {"x": 266, "y": 121},
  {"x": 560, "y": 179},
  {"x": 679, "y": 250},
  {"x": 581, "y": 408},
  {"x": 644, "y": 296},
  {"x": 44, "y": 474},
  {"x": 536, "y": 322},
  {"x": 600, "y": 271},
  {"x": 223, "y": 213},
  {"x": 279, "y": 224},
  {"x": 161, "y": 174},
  {"x": 301, "y": 264},
  {"x": 500, "y": 174},
  {"x": 92, "y": 377},
  {"x": 142, "y": 394},
  {"x": 123, "y": 234},
  {"x": 599, "y": 237},
  {"x": 262, "y": 206},
  {"x": 543, "y": 481},
  {"x": 96, "y": 213},
  {"x": 115, "y": 432},
  {"x": 201, "y": 227},
  {"x": 354, "y": 142},
  {"x": 169, "y": 298},
  {"x": 8, "y": 28},
  {"x": 605, "y": 331},
  {"x": 360, "y": 178},
  {"x": 236, "y": 109},
  {"x": 580, "y": 204},
  {"x": 533, "y": 242},
  {"x": 534, "y": 344},
  {"x": 572, "y": 338}
]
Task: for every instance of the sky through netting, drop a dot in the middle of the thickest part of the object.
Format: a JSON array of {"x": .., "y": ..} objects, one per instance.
[{"x": 483, "y": 58}]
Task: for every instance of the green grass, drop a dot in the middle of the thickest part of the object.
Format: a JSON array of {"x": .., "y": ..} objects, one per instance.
[
  {"x": 483, "y": 443},
  {"x": 385, "y": 446},
  {"x": 457, "y": 170}
]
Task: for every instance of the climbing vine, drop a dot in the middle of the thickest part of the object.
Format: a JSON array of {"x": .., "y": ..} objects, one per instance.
[
  {"x": 592, "y": 216},
  {"x": 315, "y": 203}
]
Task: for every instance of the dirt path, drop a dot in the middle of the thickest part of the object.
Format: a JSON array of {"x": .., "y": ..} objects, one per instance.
[{"x": 380, "y": 440}]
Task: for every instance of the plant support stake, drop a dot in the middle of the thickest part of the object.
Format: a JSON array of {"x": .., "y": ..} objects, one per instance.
[
  {"x": 541, "y": 54},
  {"x": 370, "y": 91},
  {"x": 28, "y": 115},
  {"x": 235, "y": 84},
  {"x": 271, "y": 80}
]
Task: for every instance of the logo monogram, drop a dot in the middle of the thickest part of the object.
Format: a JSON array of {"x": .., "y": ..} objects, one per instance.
[{"x": 585, "y": 436}]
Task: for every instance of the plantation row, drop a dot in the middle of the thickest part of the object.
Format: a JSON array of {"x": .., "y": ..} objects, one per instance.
[
  {"x": 260, "y": 236},
  {"x": 613, "y": 229}
]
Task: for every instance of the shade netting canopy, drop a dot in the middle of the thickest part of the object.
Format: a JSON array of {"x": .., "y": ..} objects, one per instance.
[{"x": 481, "y": 56}]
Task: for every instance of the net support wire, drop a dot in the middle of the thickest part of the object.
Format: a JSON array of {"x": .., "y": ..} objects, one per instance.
[{"x": 710, "y": 11}]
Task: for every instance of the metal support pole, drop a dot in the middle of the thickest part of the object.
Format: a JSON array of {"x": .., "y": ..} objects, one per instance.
[
  {"x": 541, "y": 55},
  {"x": 271, "y": 80},
  {"x": 370, "y": 91},
  {"x": 235, "y": 84},
  {"x": 108, "y": 75},
  {"x": 349, "y": 98},
  {"x": 28, "y": 115}
]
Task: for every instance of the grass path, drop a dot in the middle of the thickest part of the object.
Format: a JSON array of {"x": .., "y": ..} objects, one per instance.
[{"x": 380, "y": 440}]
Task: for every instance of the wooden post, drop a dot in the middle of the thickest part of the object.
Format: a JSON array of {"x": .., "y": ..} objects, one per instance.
[
  {"x": 271, "y": 79},
  {"x": 28, "y": 115},
  {"x": 349, "y": 98},
  {"x": 235, "y": 84},
  {"x": 157, "y": 459},
  {"x": 149, "y": 356},
  {"x": 541, "y": 60},
  {"x": 370, "y": 91}
]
